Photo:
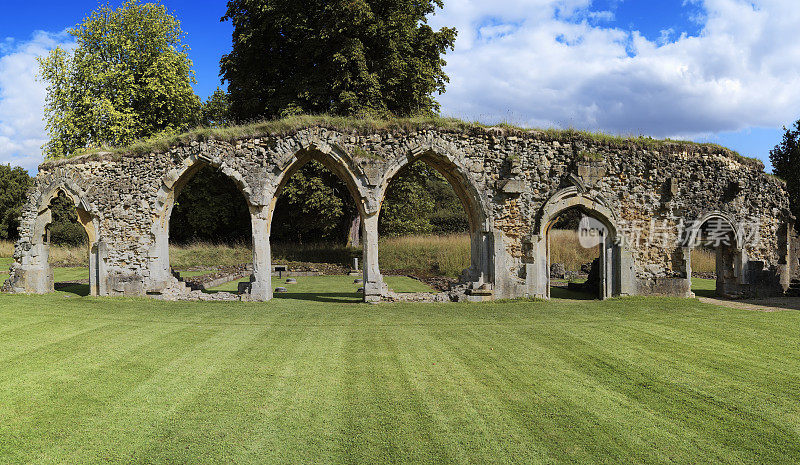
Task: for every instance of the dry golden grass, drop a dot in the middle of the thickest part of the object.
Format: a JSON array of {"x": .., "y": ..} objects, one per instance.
[
  {"x": 208, "y": 254},
  {"x": 6, "y": 249},
  {"x": 704, "y": 261},
  {"x": 60, "y": 255},
  {"x": 565, "y": 248},
  {"x": 436, "y": 255}
]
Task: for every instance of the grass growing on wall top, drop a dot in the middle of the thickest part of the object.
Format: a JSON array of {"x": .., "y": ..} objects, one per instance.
[{"x": 367, "y": 125}]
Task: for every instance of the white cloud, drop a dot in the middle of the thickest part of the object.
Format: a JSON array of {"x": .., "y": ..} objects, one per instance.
[
  {"x": 22, "y": 97},
  {"x": 549, "y": 64}
]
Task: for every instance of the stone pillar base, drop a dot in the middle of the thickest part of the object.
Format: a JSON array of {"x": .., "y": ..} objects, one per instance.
[
  {"x": 260, "y": 292},
  {"x": 32, "y": 280},
  {"x": 374, "y": 291}
]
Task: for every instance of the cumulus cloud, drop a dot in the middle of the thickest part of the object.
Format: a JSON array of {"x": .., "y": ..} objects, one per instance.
[
  {"x": 558, "y": 63},
  {"x": 22, "y": 131}
]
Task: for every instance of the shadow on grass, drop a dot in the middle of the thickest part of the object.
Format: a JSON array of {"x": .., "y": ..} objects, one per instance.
[
  {"x": 708, "y": 293},
  {"x": 564, "y": 293},
  {"x": 328, "y": 297},
  {"x": 81, "y": 290}
]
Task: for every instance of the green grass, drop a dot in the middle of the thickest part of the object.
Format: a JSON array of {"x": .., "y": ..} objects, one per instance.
[
  {"x": 704, "y": 287},
  {"x": 341, "y": 288},
  {"x": 86, "y": 380},
  {"x": 292, "y": 124}
]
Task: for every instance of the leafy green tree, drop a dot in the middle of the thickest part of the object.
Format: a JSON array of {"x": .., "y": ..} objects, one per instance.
[
  {"x": 128, "y": 78},
  {"x": 314, "y": 206},
  {"x": 210, "y": 208},
  {"x": 14, "y": 183},
  {"x": 785, "y": 159},
  {"x": 342, "y": 57},
  {"x": 217, "y": 109},
  {"x": 65, "y": 229},
  {"x": 407, "y": 206},
  {"x": 419, "y": 200}
]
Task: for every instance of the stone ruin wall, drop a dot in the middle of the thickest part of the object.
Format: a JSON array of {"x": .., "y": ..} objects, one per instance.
[{"x": 506, "y": 179}]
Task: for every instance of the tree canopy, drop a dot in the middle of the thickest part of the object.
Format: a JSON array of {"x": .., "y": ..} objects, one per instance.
[
  {"x": 129, "y": 77},
  {"x": 419, "y": 200},
  {"x": 785, "y": 159},
  {"x": 14, "y": 183},
  {"x": 210, "y": 208},
  {"x": 342, "y": 57}
]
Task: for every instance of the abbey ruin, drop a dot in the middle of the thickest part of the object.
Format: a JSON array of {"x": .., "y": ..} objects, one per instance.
[{"x": 513, "y": 184}]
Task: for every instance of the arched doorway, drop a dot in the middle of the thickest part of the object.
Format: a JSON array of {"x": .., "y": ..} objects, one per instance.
[
  {"x": 575, "y": 248},
  {"x": 714, "y": 237},
  {"x": 424, "y": 230},
  {"x": 478, "y": 278},
  {"x": 208, "y": 236},
  {"x": 614, "y": 265},
  {"x": 72, "y": 220},
  {"x": 341, "y": 173}
]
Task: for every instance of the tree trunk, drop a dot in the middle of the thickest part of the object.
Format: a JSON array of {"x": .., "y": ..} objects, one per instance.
[{"x": 354, "y": 232}]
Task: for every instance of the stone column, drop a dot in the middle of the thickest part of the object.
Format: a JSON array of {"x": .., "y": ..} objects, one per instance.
[
  {"x": 537, "y": 274},
  {"x": 261, "y": 287},
  {"x": 374, "y": 288},
  {"x": 158, "y": 261}
]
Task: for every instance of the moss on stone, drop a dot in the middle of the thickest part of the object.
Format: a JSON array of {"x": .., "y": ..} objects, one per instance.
[{"x": 368, "y": 126}]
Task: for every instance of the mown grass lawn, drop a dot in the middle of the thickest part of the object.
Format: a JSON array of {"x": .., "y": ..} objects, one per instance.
[
  {"x": 340, "y": 288},
  {"x": 85, "y": 380}
]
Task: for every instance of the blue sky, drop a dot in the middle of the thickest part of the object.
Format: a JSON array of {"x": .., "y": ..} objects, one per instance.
[{"x": 724, "y": 71}]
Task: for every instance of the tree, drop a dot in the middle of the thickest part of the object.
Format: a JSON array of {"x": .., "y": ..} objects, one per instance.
[
  {"x": 65, "y": 229},
  {"x": 128, "y": 78},
  {"x": 342, "y": 57},
  {"x": 216, "y": 109},
  {"x": 314, "y": 206},
  {"x": 785, "y": 159},
  {"x": 210, "y": 208},
  {"x": 14, "y": 183},
  {"x": 419, "y": 200}
]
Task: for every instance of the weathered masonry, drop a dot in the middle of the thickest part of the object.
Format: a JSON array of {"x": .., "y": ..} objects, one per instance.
[{"x": 513, "y": 184}]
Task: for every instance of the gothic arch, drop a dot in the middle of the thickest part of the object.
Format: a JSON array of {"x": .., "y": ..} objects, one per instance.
[
  {"x": 342, "y": 165},
  {"x": 572, "y": 197},
  {"x": 454, "y": 170},
  {"x": 333, "y": 158},
  {"x": 615, "y": 260},
  {"x": 694, "y": 230},
  {"x": 731, "y": 259},
  {"x": 474, "y": 200},
  {"x": 176, "y": 179},
  {"x": 62, "y": 182},
  {"x": 171, "y": 185}
]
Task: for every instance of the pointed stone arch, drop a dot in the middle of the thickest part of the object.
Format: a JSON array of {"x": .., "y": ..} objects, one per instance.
[
  {"x": 731, "y": 259},
  {"x": 160, "y": 275},
  {"x": 616, "y": 261},
  {"x": 34, "y": 274},
  {"x": 333, "y": 158},
  {"x": 342, "y": 164},
  {"x": 455, "y": 169}
]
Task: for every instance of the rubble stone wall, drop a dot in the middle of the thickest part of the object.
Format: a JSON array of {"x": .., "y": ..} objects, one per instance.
[{"x": 513, "y": 185}]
